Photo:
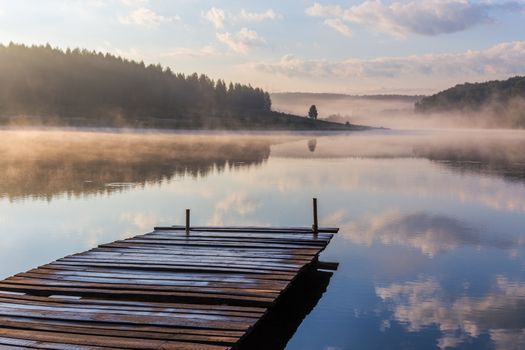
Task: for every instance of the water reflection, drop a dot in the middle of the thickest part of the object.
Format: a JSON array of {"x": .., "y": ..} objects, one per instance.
[
  {"x": 424, "y": 303},
  {"x": 275, "y": 330},
  {"x": 494, "y": 152},
  {"x": 500, "y": 156},
  {"x": 312, "y": 144},
  {"x": 45, "y": 164},
  {"x": 427, "y": 219},
  {"x": 430, "y": 233}
]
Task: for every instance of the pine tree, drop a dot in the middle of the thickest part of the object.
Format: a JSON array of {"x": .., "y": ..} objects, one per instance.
[{"x": 312, "y": 113}]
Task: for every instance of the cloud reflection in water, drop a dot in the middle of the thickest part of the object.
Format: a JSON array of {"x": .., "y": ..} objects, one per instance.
[
  {"x": 430, "y": 233},
  {"x": 424, "y": 303}
]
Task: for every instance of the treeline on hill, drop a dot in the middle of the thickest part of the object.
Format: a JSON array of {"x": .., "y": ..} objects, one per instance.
[
  {"x": 81, "y": 87},
  {"x": 501, "y": 103}
]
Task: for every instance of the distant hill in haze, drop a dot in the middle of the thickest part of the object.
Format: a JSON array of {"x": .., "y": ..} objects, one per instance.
[
  {"x": 334, "y": 96},
  {"x": 41, "y": 85},
  {"x": 499, "y": 103},
  {"x": 376, "y": 110},
  {"x": 492, "y": 104}
]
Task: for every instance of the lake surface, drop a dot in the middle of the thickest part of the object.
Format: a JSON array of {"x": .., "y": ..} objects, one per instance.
[{"x": 432, "y": 240}]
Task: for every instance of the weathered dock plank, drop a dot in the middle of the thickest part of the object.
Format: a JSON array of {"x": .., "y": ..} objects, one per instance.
[{"x": 167, "y": 289}]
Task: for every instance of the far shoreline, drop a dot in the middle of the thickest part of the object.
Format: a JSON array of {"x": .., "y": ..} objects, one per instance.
[
  {"x": 128, "y": 130},
  {"x": 286, "y": 124}
]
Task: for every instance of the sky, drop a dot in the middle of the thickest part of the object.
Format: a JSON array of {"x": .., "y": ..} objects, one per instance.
[{"x": 353, "y": 46}]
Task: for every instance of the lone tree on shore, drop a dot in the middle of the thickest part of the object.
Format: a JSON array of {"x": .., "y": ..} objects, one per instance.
[{"x": 312, "y": 113}]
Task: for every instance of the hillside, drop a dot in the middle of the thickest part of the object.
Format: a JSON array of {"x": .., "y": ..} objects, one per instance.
[
  {"x": 501, "y": 102},
  {"x": 42, "y": 85},
  {"x": 375, "y": 110}
]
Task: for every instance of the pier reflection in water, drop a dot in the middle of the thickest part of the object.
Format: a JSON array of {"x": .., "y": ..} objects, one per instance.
[
  {"x": 432, "y": 245},
  {"x": 276, "y": 330}
]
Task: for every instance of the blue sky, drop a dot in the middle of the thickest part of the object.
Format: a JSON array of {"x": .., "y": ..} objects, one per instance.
[{"x": 364, "y": 46}]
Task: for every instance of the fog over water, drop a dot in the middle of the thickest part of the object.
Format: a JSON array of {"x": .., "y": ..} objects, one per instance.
[
  {"x": 432, "y": 240},
  {"x": 398, "y": 112}
]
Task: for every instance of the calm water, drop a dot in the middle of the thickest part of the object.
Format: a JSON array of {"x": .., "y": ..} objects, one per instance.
[{"x": 432, "y": 223}]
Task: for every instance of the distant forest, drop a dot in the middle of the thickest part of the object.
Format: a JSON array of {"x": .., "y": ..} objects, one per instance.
[
  {"x": 501, "y": 101},
  {"x": 81, "y": 87}
]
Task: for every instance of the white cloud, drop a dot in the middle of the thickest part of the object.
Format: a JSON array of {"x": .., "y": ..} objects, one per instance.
[
  {"x": 145, "y": 17},
  {"x": 338, "y": 25},
  {"x": 134, "y": 2},
  {"x": 204, "y": 51},
  {"x": 216, "y": 16},
  {"x": 423, "y": 17},
  {"x": 500, "y": 60},
  {"x": 259, "y": 16},
  {"x": 92, "y": 3},
  {"x": 242, "y": 41},
  {"x": 318, "y": 10}
]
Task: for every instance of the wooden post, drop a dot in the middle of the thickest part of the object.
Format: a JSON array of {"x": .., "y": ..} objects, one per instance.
[
  {"x": 187, "y": 221},
  {"x": 315, "y": 226}
]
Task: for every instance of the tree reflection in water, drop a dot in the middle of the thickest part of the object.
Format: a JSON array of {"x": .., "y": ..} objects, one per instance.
[{"x": 46, "y": 164}]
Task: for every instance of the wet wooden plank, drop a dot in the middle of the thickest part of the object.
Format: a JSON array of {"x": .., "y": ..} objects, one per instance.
[
  {"x": 230, "y": 278},
  {"x": 189, "y": 313},
  {"x": 129, "y": 317},
  {"x": 212, "y": 237},
  {"x": 101, "y": 341},
  {"x": 128, "y": 305},
  {"x": 231, "y": 242},
  {"x": 194, "y": 297},
  {"x": 291, "y": 230},
  {"x": 141, "y": 280},
  {"x": 128, "y": 331},
  {"x": 198, "y": 275},
  {"x": 190, "y": 260},
  {"x": 162, "y": 290},
  {"x": 197, "y": 250},
  {"x": 159, "y": 254},
  {"x": 14, "y": 343},
  {"x": 145, "y": 287},
  {"x": 245, "y": 235},
  {"x": 174, "y": 267},
  {"x": 219, "y": 244}
]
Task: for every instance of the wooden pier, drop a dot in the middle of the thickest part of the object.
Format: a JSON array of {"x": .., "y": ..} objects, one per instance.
[{"x": 203, "y": 288}]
